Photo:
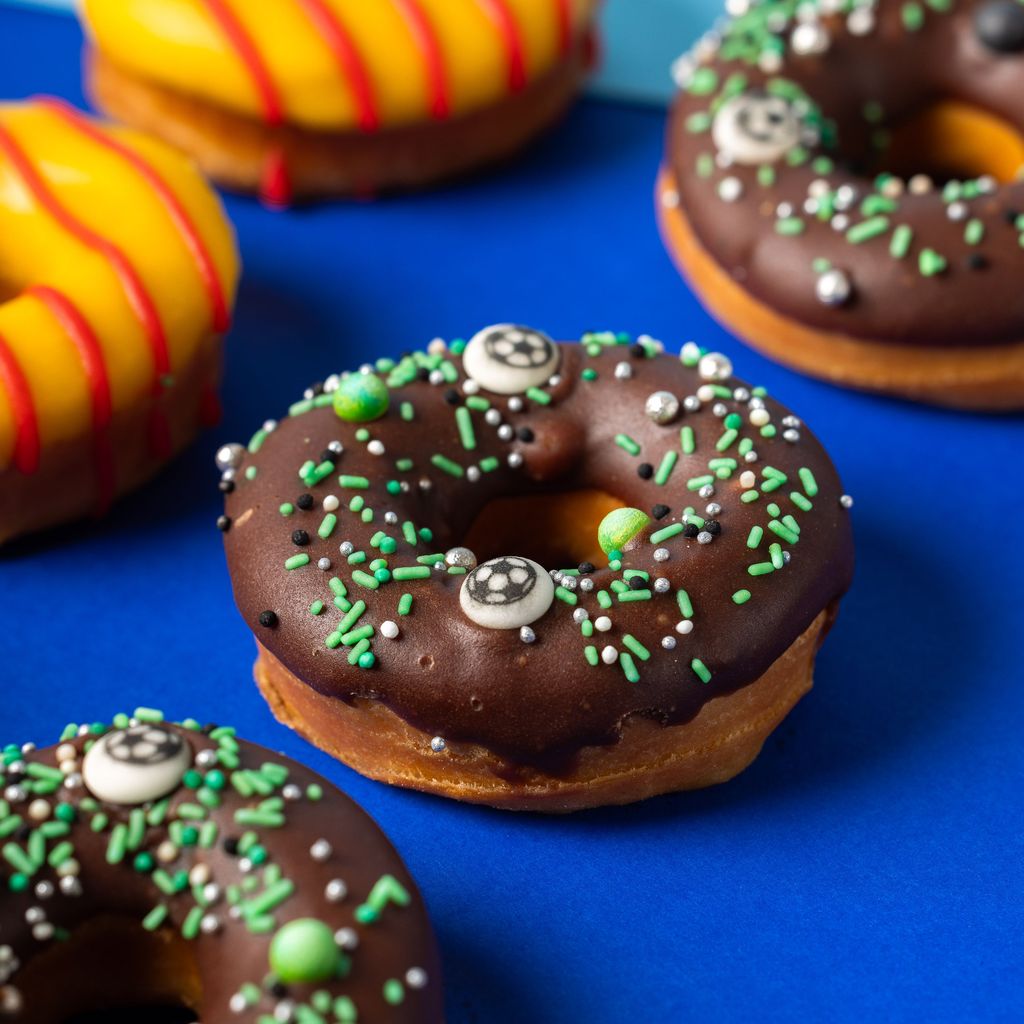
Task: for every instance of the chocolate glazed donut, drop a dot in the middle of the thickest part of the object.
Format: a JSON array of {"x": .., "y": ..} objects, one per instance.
[
  {"x": 148, "y": 865},
  {"x": 843, "y": 187},
  {"x": 537, "y": 575}
]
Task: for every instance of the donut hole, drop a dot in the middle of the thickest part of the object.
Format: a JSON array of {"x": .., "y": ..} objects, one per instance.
[
  {"x": 953, "y": 141},
  {"x": 557, "y": 529},
  {"x": 113, "y": 970}
]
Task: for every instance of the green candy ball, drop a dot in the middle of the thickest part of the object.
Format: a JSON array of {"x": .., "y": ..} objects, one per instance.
[
  {"x": 619, "y": 527},
  {"x": 304, "y": 951},
  {"x": 361, "y": 397}
]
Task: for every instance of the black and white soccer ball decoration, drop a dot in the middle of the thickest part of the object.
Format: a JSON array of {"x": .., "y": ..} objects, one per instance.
[
  {"x": 507, "y": 592},
  {"x": 756, "y": 128},
  {"x": 509, "y": 358},
  {"x": 135, "y": 765}
]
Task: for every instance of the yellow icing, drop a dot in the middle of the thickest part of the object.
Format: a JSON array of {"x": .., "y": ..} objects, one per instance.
[
  {"x": 102, "y": 190},
  {"x": 179, "y": 44}
]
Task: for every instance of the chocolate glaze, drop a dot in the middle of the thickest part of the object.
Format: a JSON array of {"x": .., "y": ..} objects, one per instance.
[
  {"x": 906, "y": 72},
  {"x": 540, "y": 703},
  {"x": 400, "y": 939}
]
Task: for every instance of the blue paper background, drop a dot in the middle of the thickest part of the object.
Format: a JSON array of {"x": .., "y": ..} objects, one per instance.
[{"x": 867, "y": 867}]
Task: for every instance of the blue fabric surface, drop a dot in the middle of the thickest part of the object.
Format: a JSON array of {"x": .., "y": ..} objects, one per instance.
[{"x": 867, "y": 867}]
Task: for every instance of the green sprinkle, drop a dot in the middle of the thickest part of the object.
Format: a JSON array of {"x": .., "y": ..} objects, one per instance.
[
  {"x": 912, "y": 16},
  {"x": 790, "y": 226},
  {"x": 629, "y": 596},
  {"x": 627, "y": 443},
  {"x": 867, "y": 229},
  {"x": 538, "y": 396},
  {"x": 901, "y": 240},
  {"x": 297, "y": 561},
  {"x": 393, "y": 991},
  {"x": 628, "y": 666},
  {"x": 406, "y": 411},
  {"x": 701, "y": 670},
  {"x": 566, "y": 595},
  {"x": 364, "y": 579},
  {"x": 748, "y": 496},
  {"x": 930, "y": 263},
  {"x": 666, "y": 533},
  {"x": 766, "y": 176},
  {"x": 788, "y": 535},
  {"x": 590, "y": 653},
  {"x": 155, "y": 917},
  {"x": 411, "y": 572},
  {"x": 698, "y": 122},
  {"x": 810, "y": 485},
  {"x": 775, "y": 550},
  {"x": 695, "y": 483},
  {"x": 636, "y": 647},
  {"x": 800, "y": 501},
  {"x": 353, "y": 482},
  {"x": 760, "y": 568},
  {"x": 326, "y": 528},
  {"x": 446, "y": 465},
  {"x": 741, "y": 597},
  {"x": 464, "y": 422},
  {"x": 726, "y": 439},
  {"x": 685, "y": 605},
  {"x": 668, "y": 463},
  {"x": 687, "y": 441},
  {"x": 754, "y": 537},
  {"x": 117, "y": 846},
  {"x": 404, "y": 603},
  {"x": 974, "y": 232},
  {"x": 703, "y": 82},
  {"x": 250, "y": 472}
]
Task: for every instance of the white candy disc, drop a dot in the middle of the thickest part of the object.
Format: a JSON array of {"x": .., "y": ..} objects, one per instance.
[
  {"x": 756, "y": 128},
  {"x": 135, "y": 765},
  {"x": 508, "y": 358},
  {"x": 507, "y": 592}
]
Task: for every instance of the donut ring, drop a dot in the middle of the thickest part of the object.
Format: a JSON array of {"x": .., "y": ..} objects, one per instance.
[
  {"x": 305, "y": 98},
  {"x": 585, "y": 574},
  {"x": 795, "y": 195},
  {"x": 119, "y": 277},
  {"x": 146, "y": 864}
]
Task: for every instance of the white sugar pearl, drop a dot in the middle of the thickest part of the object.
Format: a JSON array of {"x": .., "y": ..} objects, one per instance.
[
  {"x": 39, "y": 810},
  {"x": 760, "y": 417},
  {"x": 335, "y": 890},
  {"x": 609, "y": 655},
  {"x": 375, "y": 447},
  {"x": 684, "y": 626},
  {"x": 321, "y": 850},
  {"x": 331, "y": 503},
  {"x": 389, "y": 629},
  {"x": 602, "y": 623},
  {"x": 748, "y": 479},
  {"x": 66, "y": 752}
]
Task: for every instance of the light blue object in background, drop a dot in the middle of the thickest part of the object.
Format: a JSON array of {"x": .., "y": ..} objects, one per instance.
[{"x": 641, "y": 39}]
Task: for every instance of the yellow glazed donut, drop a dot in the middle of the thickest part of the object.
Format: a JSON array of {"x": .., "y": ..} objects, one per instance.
[
  {"x": 313, "y": 97},
  {"x": 117, "y": 276}
]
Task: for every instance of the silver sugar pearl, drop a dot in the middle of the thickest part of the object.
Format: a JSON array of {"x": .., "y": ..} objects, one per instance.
[
  {"x": 527, "y": 635},
  {"x": 321, "y": 850},
  {"x": 42, "y": 932},
  {"x": 416, "y": 977},
  {"x": 229, "y": 456},
  {"x": 291, "y": 792},
  {"x": 792, "y": 436},
  {"x": 391, "y": 518},
  {"x": 846, "y": 501},
  {"x": 515, "y": 459},
  {"x": 662, "y": 585},
  {"x": 833, "y": 288},
  {"x": 347, "y": 938},
  {"x": 741, "y": 394},
  {"x": 505, "y": 432},
  {"x": 668, "y": 642},
  {"x": 345, "y": 548},
  {"x": 437, "y": 744},
  {"x": 461, "y": 558},
  {"x": 209, "y": 924},
  {"x": 714, "y": 366},
  {"x": 720, "y": 409},
  {"x": 44, "y": 890},
  {"x": 662, "y": 406},
  {"x": 206, "y": 758},
  {"x": 580, "y": 615},
  {"x": 492, "y": 417},
  {"x": 706, "y": 491},
  {"x": 730, "y": 189},
  {"x": 323, "y": 564},
  {"x": 661, "y": 554},
  {"x": 623, "y": 371},
  {"x": 335, "y": 890},
  {"x": 704, "y": 537},
  {"x": 809, "y": 39},
  {"x": 586, "y": 585},
  {"x": 691, "y": 403},
  {"x": 713, "y": 508},
  {"x": 70, "y": 886},
  {"x": 515, "y": 404},
  {"x": 472, "y": 474}
]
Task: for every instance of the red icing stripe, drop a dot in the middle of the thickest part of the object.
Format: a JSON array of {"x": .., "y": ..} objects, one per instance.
[
  {"x": 512, "y": 39},
  {"x": 433, "y": 57},
  {"x": 186, "y": 228},
  {"x": 349, "y": 60},
  {"x": 250, "y": 56},
  {"x": 26, "y": 424},
  {"x": 85, "y": 341},
  {"x": 139, "y": 299},
  {"x": 563, "y": 12}
]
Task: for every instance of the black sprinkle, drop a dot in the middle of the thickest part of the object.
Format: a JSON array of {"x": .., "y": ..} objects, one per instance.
[
  {"x": 327, "y": 455},
  {"x": 268, "y": 619},
  {"x": 278, "y": 990},
  {"x": 226, "y": 486},
  {"x": 975, "y": 261},
  {"x": 23, "y": 833},
  {"x": 304, "y": 501},
  {"x": 637, "y": 350},
  {"x": 230, "y": 846},
  {"x": 317, "y": 387},
  {"x": 300, "y": 538},
  {"x": 223, "y": 523},
  {"x": 422, "y": 373},
  {"x": 689, "y": 530},
  {"x": 452, "y": 397},
  {"x": 713, "y": 526},
  {"x": 1010, "y": 216},
  {"x": 525, "y": 434},
  {"x": 586, "y": 568},
  {"x": 208, "y": 728},
  {"x": 660, "y": 511},
  {"x": 637, "y": 583},
  {"x": 645, "y": 471}
]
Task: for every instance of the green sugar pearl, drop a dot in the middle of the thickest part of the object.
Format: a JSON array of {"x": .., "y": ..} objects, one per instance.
[
  {"x": 619, "y": 527},
  {"x": 304, "y": 950},
  {"x": 361, "y": 397}
]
